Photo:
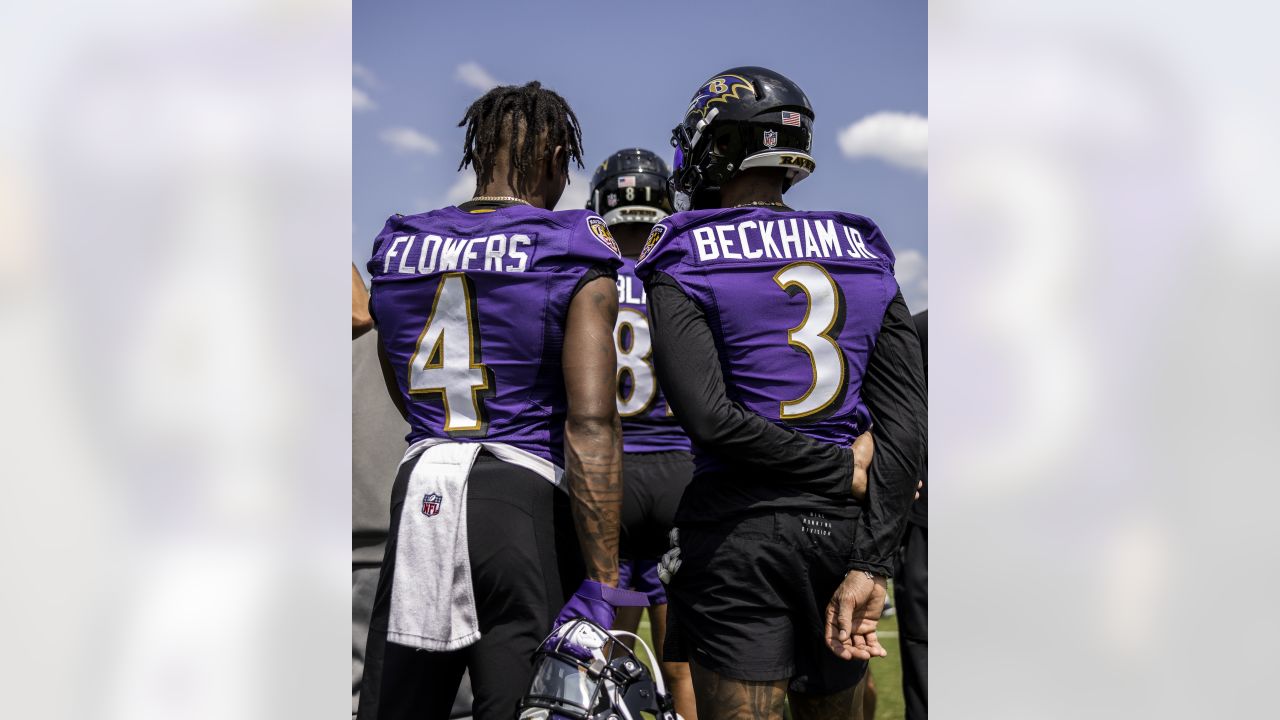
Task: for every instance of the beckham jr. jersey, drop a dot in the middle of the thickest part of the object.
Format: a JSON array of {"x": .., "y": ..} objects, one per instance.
[
  {"x": 471, "y": 309},
  {"x": 795, "y": 301},
  {"x": 647, "y": 423}
]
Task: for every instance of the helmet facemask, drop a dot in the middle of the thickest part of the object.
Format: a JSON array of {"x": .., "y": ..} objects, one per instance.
[{"x": 584, "y": 672}]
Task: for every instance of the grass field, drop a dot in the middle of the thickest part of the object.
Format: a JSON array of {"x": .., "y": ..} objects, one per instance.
[{"x": 886, "y": 673}]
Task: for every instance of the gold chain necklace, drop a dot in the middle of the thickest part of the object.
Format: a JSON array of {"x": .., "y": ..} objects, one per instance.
[
  {"x": 499, "y": 198},
  {"x": 761, "y": 204}
]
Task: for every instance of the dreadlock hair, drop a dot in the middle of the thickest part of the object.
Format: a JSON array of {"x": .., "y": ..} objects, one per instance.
[{"x": 530, "y": 120}]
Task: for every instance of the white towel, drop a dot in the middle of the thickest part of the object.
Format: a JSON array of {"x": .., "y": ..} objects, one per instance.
[{"x": 433, "y": 605}]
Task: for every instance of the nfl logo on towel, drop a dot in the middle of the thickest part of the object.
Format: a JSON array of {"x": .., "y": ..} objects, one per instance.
[
  {"x": 431, "y": 504},
  {"x": 791, "y": 118}
]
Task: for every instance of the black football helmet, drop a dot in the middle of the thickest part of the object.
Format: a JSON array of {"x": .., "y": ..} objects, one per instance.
[
  {"x": 583, "y": 672},
  {"x": 742, "y": 118},
  {"x": 631, "y": 186}
]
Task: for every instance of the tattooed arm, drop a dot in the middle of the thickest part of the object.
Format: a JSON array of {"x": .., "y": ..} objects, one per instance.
[
  {"x": 724, "y": 698},
  {"x": 592, "y": 431}
]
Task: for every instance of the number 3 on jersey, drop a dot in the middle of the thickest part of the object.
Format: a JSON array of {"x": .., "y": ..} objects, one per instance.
[
  {"x": 447, "y": 359},
  {"x": 823, "y": 313}
]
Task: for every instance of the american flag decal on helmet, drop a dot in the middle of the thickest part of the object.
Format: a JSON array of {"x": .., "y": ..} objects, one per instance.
[{"x": 791, "y": 118}]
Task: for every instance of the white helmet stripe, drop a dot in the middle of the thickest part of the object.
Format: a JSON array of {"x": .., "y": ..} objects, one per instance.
[
  {"x": 799, "y": 163},
  {"x": 634, "y": 213}
]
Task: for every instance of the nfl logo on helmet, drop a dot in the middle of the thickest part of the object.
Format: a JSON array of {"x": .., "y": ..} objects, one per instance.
[{"x": 431, "y": 504}]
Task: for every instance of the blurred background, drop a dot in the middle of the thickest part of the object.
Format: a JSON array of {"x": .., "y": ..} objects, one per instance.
[
  {"x": 176, "y": 185},
  {"x": 175, "y": 188},
  {"x": 1103, "y": 271}
]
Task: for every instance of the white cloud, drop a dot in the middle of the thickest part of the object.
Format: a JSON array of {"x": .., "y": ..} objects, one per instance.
[
  {"x": 405, "y": 139},
  {"x": 575, "y": 194},
  {"x": 911, "y": 268},
  {"x": 364, "y": 74},
  {"x": 471, "y": 73},
  {"x": 462, "y": 190},
  {"x": 360, "y": 100},
  {"x": 900, "y": 139}
]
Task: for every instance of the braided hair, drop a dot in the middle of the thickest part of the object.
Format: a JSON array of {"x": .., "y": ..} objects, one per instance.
[{"x": 530, "y": 120}]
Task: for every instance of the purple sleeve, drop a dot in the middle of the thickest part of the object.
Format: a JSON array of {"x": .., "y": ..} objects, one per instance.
[{"x": 590, "y": 241}]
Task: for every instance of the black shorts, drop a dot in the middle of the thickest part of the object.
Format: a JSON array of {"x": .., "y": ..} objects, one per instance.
[
  {"x": 524, "y": 565},
  {"x": 749, "y": 601},
  {"x": 652, "y": 485}
]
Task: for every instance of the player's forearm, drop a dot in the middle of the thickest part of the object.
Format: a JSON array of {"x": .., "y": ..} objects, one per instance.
[
  {"x": 361, "y": 320},
  {"x": 894, "y": 390},
  {"x": 593, "y": 475}
]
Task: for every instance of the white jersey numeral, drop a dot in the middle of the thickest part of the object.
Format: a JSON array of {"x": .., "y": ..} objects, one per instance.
[
  {"x": 633, "y": 360},
  {"x": 447, "y": 359},
  {"x": 812, "y": 336}
]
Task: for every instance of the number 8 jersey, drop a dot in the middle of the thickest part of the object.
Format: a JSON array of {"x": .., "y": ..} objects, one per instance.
[
  {"x": 471, "y": 308},
  {"x": 794, "y": 300},
  {"x": 647, "y": 423}
]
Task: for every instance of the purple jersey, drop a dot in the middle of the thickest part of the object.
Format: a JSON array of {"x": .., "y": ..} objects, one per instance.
[
  {"x": 794, "y": 300},
  {"x": 471, "y": 308},
  {"x": 647, "y": 423}
]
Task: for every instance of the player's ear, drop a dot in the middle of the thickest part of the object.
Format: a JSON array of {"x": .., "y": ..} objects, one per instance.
[{"x": 558, "y": 163}]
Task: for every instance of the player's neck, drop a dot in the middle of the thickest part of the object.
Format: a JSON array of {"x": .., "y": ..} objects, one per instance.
[
  {"x": 630, "y": 238},
  {"x": 502, "y": 188},
  {"x": 751, "y": 188}
]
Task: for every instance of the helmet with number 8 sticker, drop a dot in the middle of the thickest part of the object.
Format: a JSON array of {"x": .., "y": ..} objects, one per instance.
[{"x": 631, "y": 187}]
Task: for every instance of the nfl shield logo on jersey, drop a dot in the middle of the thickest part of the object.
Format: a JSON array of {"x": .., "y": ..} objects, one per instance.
[
  {"x": 770, "y": 138},
  {"x": 431, "y": 504}
]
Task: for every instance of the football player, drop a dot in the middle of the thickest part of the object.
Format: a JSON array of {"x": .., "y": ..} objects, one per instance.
[
  {"x": 496, "y": 320},
  {"x": 779, "y": 336},
  {"x": 630, "y": 191},
  {"x": 911, "y": 584}
]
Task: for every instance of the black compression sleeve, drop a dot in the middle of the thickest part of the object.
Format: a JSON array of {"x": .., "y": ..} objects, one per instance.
[
  {"x": 691, "y": 378},
  {"x": 894, "y": 390},
  {"x": 593, "y": 272}
]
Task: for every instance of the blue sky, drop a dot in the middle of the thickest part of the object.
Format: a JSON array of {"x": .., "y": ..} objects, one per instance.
[{"x": 628, "y": 70}]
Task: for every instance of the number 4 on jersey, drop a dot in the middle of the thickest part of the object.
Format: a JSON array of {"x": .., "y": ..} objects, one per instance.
[{"x": 447, "y": 359}]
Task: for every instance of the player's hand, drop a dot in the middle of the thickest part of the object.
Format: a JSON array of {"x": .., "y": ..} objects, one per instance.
[
  {"x": 670, "y": 562},
  {"x": 852, "y": 616},
  {"x": 598, "y": 603},
  {"x": 864, "y": 447}
]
